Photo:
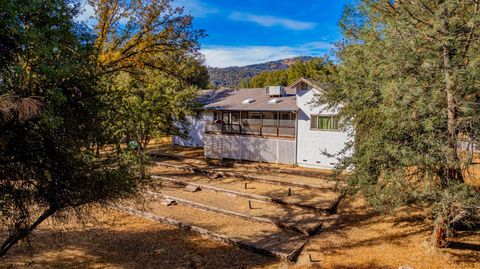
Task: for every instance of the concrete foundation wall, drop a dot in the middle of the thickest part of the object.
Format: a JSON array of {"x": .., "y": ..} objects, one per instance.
[{"x": 218, "y": 146}]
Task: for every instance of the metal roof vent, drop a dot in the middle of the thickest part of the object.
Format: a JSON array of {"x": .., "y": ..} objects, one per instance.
[
  {"x": 274, "y": 101},
  {"x": 248, "y": 101}
]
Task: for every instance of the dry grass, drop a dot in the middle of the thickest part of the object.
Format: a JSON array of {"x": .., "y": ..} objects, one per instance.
[
  {"x": 362, "y": 239},
  {"x": 472, "y": 175},
  {"x": 117, "y": 240}
]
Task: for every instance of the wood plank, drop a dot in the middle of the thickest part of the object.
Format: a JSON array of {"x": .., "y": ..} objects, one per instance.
[
  {"x": 209, "y": 171},
  {"x": 246, "y": 195},
  {"x": 264, "y": 247},
  {"x": 278, "y": 223}
]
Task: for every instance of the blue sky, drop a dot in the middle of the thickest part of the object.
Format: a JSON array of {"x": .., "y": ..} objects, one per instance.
[
  {"x": 242, "y": 32},
  {"x": 253, "y": 31}
]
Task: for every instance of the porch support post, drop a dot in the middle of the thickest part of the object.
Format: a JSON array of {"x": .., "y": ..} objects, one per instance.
[{"x": 278, "y": 123}]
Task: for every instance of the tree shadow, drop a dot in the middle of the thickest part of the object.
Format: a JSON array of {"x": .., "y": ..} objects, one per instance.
[
  {"x": 464, "y": 246},
  {"x": 153, "y": 246}
]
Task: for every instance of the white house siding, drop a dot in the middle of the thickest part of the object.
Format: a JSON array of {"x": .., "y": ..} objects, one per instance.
[
  {"x": 237, "y": 147},
  {"x": 311, "y": 143},
  {"x": 196, "y": 130}
]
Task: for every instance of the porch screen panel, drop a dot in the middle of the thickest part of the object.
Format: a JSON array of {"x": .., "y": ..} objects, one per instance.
[{"x": 270, "y": 119}]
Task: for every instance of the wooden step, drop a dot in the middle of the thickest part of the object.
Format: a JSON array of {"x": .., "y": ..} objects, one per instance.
[
  {"x": 263, "y": 238},
  {"x": 247, "y": 176},
  {"x": 313, "y": 200},
  {"x": 295, "y": 219}
]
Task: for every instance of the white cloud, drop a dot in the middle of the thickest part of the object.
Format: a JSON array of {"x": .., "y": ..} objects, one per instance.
[
  {"x": 269, "y": 21},
  {"x": 87, "y": 14},
  {"x": 196, "y": 8},
  {"x": 223, "y": 56}
]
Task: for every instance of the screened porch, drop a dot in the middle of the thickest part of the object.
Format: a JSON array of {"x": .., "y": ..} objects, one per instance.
[{"x": 266, "y": 123}]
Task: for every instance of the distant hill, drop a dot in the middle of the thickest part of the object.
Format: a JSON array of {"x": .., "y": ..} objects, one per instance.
[{"x": 231, "y": 76}]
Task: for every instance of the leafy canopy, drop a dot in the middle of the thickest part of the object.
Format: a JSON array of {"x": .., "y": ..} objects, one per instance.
[
  {"x": 55, "y": 107},
  {"x": 319, "y": 69}
]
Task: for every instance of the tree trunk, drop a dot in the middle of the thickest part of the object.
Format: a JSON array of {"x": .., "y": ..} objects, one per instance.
[
  {"x": 20, "y": 234},
  {"x": 453, "y": 170},
  {"x": 440, "y": 233}
]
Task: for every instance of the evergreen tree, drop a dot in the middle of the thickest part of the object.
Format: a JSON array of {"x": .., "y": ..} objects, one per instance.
[
  {"x": 408, "y": 84},
  {"x": 318, "y": 69}
]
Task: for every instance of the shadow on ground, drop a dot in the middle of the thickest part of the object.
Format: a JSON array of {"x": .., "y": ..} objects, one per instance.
[{"x": 128, "y": 244}]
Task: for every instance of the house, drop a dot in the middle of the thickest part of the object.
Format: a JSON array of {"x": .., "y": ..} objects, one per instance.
[{"x": 272, "y": 124}]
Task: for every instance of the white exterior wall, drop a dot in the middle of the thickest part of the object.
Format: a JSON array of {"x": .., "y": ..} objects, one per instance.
[
  {"x": 239, "y": 147},
  {"x": 311, "y": 143},
  {"x": 196, "y": 130}
]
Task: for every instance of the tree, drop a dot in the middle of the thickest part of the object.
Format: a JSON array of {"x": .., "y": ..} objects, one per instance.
[
  {"x": 151, "y": 106},
  {"x": 48, "y": 105},
  {"x": 52, "y": 101},
  {"x": 132, "y": 35},
  {"x": 149, "y": 61},
  {"x": 408, "y": 84},
  {"x": 319, "y": 69}
]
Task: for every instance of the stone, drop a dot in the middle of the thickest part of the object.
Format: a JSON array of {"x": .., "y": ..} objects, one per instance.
[
  {"x": 168, "y": 202},
  {"x": 192, "y": 188}
]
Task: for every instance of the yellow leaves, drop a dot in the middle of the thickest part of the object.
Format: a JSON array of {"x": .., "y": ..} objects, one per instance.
[{"x": 137, "y": 34}]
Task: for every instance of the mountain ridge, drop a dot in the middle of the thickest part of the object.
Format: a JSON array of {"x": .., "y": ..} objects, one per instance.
[{"x": 231, "y": 76}]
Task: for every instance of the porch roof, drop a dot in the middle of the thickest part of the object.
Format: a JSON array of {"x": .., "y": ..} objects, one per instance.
[{"x": 229, "y": 99}]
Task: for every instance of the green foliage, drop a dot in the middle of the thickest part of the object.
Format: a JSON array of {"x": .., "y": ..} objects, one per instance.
[
  {"x": 408, "y": 84},
  {"x": 146, "y": 107},
  {"x": 318, "y": 69},
  {"x": 237, "y": 76},
  {"x": 57, "y": 116}
]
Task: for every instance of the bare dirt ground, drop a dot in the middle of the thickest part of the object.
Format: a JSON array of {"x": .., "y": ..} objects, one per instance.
[
  {"x": 362, "y": 239},
  {"x": 119, "y": 240}
]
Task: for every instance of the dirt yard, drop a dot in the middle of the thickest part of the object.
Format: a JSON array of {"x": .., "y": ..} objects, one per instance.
[{"x": 361, "y": 239}]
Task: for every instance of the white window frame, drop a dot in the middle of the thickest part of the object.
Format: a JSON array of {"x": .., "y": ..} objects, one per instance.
[{"x": 333, "y": 117}]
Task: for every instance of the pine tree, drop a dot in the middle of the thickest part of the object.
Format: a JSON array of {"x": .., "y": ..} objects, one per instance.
[{"x": 408, "y": 84}]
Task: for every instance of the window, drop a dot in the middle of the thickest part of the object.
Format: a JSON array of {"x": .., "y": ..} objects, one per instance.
[
  {"x": 217, "y": 116},
  {"x": 235, "y": 117},
  {"x": 319, "y": 122},
  {"x": 251, "y": 118},
  {"x": 286, "y": 116},
  {"x": 225, "y": 117}
]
